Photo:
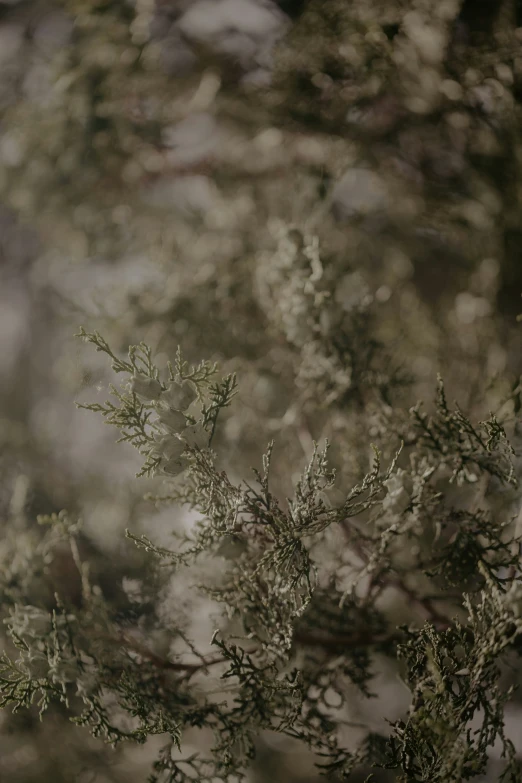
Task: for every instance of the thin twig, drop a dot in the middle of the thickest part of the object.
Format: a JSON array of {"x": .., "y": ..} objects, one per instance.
[{"x": 164, "y": 663}]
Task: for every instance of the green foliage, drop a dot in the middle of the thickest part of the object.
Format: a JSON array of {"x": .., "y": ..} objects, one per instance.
[
  {"x": 461, "y": 445},
  {"x": 454, "y": 676},
  {"x": 132, "y": 414},
  {"x": 332, "y": 209},
  {"x": 295, "y": 631}
]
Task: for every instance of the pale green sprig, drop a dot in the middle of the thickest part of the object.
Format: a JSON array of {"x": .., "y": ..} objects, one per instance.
[
  {"x": 199, "y": 374},
  {"x": 167, "y": 440},
  {"x": 140, "y": 356},
  {"x": 466, "y": 449}
]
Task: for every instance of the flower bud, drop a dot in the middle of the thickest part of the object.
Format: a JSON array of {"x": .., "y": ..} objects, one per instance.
[
  {"x": 168, "y": 447},
  {"x": 173, "y": 467},
  {"x": 86, "y": 683},
  {"x": 145, "y": 387},
  {"x": 30, "y": 622},
  {"x": 172, "y": 419},
  {"x": 179, "y": 396},
  {"x": 195, "y": 436},
  {"x": 37, "y": 663},
  {"x": 398, "y": 496},
  {"x": 63, "y": 671}
]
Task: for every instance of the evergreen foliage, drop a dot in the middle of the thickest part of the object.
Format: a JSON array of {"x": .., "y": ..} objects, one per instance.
[
  {"x": 318, "y": 560},
  {"x": 294, "y": 629}
]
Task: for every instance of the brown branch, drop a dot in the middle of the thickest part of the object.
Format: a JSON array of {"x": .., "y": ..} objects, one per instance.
[
  {"x": 306, "y": 638},
  {"x": 425, "y": 603},
  {"x": 342, "y": 641},
  {"x": 161, "y": 663},
  {"x": 133, "y": 645}
]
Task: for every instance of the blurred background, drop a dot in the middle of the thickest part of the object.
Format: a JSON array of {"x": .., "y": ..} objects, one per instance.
[{"x": 159, "y": 161}]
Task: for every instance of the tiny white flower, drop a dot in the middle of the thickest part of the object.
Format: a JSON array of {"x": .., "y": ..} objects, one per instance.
[
  {"x": 512, "y": 599},
  {"x": 397, "y": 498},
  {"x": 179, "y": 396},
  {"x": 173, "y": 467},
  {"x": 195, "y": 436},
  {"x": 37, "y": 663},
  {"x": 30, "y": 621},
  {"x": 86, "y": 684},
  {"x": 63, "y": 672},
  {"x": 172, "y": 419},
  {"x": 168, "y": 447},
  {"x": 145, "y": 387},
  {"x": 133, "y": 589}
]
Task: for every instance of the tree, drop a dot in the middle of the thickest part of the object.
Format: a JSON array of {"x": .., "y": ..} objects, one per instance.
[
  {"x": 302, "y": 617},
  {"x": 321, "y": 199}
]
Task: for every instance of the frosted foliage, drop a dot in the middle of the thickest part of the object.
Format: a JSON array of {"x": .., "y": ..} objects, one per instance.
[
  {"x": 359, "y": 192},
  {"x": 205, "y": 19},
  {"x": 190, "y": 195},
  {"x": 192, "y": 139},
  {"x": 289, "y": 284},
  {"x": 429, "y": 40},
  {"x": 296, "y": 214}
]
